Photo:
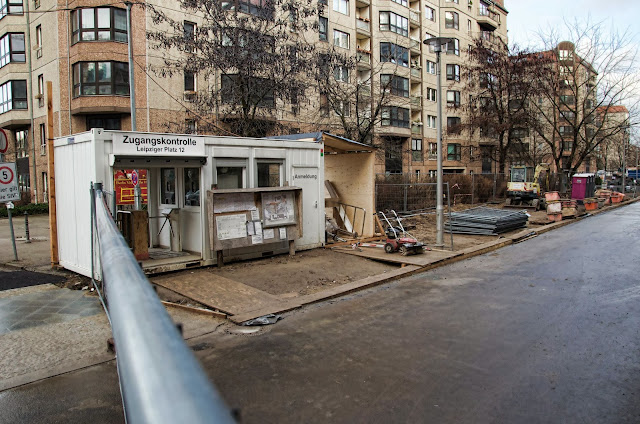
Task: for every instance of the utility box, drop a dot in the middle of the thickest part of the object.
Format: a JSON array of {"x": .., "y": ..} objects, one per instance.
[{"x": 583, "y": 186}]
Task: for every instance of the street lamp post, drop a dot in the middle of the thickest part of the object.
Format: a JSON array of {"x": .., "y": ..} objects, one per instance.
[{"x": 437, "y": 43}]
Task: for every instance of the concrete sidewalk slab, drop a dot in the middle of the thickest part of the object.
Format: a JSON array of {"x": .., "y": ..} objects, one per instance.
[{"x": 214, "y": 291}]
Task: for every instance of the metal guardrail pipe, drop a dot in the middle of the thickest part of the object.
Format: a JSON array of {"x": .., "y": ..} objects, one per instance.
[{"x": 160, "y": 379}]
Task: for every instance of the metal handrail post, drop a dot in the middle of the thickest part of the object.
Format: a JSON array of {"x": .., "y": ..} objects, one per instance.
[{"x": 160, "y": 379}]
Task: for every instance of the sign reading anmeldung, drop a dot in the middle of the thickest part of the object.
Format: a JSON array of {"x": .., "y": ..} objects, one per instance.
[{"x": 144, "y": 144}]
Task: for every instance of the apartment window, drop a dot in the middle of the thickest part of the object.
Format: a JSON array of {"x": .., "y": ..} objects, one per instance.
[
  {"x": 454, "y": 151},
  {"x": 43, "y": 140},
  {"x": 40, "y": 95},
  {"x": 431, "y": 67},
  {"x": 189, "y": 81},
  {"x": 453, "y": 98},
  {"x": 565, "y": 54},
  {"x": 342, "y": 108},
  {"x": 341, "y": 6},
  {"x": 10, "y": 7},
  {"x": 454, "y": 48},
  {"x": 520, "y": 133},
  {"x": 567, "y": 100},
  {"x": 402, "y": 2},
  {"x": 451, "y": 20},
  {"x": 39, "y": 41},
  {"x": 256, "y": 90},
  {"x": 190, "y": 126},
  {"x": 45, "y": 187},
  {"x": 189, "y": 34},
  {"x": 567, "y": 146},
  {"x": 12, "y": 49},
  {"x": 469, "y": 26},
  {"x": 168, "y": 186},
  {"x": 100, "y": 78},
  {"x": 107, "y": 122},
  {"x": 453, "y": 72},
  {"x": 341, "y": 73},
  {"x": 566, "y": 70},
  {"x": 454, "y": 125},
  {"x": 431, "y": 121},
  {"x": 340, "y": 39},
  {"x": 416, "y": 150},
  {"x": 398, "y": 86},
  {"x": 432, "y": 94},
  {"x": 430, "y": 13},
  {"x": 99, "y": 24},
  {"x": 323, "y": 28},
  {"x": 390, "y": 52},
  {"x": 565, "y": 130},
  {"x": 433, "y": 150},
  {"x": 451, "y": 1},
  {"x": 13, "y": 95},
  {"x": 389, "y": 21},
  {"x": 22, "y": 144},
  {"x": 393, "y": 116},
  {"x": 568, "y": 115}
]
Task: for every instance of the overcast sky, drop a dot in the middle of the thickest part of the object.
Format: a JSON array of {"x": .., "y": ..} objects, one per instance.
[{"x": 527, "y": 17}]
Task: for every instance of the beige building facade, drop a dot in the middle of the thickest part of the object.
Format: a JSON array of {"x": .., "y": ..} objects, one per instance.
[{"x": 81, "y": 47}]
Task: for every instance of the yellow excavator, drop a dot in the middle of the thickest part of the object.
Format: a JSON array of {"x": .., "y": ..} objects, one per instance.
[{"x": 526, "y": 187}]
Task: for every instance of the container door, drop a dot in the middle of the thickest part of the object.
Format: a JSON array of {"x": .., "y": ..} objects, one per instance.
[{"x": 307, "y": 179}]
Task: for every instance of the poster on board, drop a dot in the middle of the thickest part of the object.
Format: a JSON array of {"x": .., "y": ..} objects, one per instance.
[{"x": 278, "y": 208}]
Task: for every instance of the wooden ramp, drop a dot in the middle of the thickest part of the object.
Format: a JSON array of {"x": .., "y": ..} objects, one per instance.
[
  {"x": 223, "y": 294},
  {"x": 378, "y": 254}
]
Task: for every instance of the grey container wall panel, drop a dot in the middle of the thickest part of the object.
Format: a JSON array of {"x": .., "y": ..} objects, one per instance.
[{"x": 74, "y": 171}]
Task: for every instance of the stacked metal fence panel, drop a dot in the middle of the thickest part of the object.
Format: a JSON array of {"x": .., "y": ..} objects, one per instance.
[{"x": 487, "y": 221}]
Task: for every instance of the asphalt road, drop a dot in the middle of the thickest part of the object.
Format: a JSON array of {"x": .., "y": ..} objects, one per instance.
[{"x": 545, "y": 331}]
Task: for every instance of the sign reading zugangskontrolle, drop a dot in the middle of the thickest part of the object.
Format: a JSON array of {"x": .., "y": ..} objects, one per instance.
[{"x": 141, "y": 144}]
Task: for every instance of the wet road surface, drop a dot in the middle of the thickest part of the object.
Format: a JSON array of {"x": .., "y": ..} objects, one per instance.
[{"x": 545, "y": 331}]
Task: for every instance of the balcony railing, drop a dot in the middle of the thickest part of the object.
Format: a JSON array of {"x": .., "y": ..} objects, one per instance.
[
  {"x": 416, "y": 102},
  {"x": 415, "y": 44},
  {"x": 363, "y": 25},
  {"x": 414, "y": 16},
  {"x": 416, "y": 129},
  {"x": 363, "y": 56},
  {"x": 416, "y": 73}
]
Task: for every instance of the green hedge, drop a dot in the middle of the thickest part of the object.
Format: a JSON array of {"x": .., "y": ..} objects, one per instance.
[{"x": 31, "y": 208}]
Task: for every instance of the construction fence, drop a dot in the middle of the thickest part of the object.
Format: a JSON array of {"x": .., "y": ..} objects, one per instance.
[{"x": 407, "y": 193}]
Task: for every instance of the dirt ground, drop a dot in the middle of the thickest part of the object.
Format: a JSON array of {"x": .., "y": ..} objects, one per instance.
[
  {"x": 307, "y": 272},
  {"x": 425, "y": 228}
]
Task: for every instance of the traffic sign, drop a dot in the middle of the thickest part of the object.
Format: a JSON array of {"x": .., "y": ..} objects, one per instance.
[
  {"x": 134, "y": 177},
  {"x": 8, "y": 183},
  {"x": 4, "y": 141}
]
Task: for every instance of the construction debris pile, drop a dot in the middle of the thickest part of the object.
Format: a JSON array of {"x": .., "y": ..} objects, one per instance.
[{"x": 485, "y": 221}]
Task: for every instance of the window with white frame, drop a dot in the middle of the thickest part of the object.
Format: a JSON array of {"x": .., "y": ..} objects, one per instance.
[
  {"x": 39, "y": 41},
  {"x": 341, "y": 73},
  {"x": 340, "y": 39},
  {"x": 431, "y": 67},
  {"x": 432, "y": 94},
  {"x": 40, "y": 95},
  {"x": 429, "y": 13},
  {"x": 323, "y": 28},
  {"x": 390, "y": 21},
  {"x": 10, "y": 7},
  {"x": 416, "y": 149},
  {"x": 402, "y": 2},
  {"x": 454, "y": 47},
  {"x": 431, "y": 121},
  {"x": 231, "y": 173},
  {"x": 191, "y": 184},
  {"x": 341, "y": 6},
  {"x": 43, "y": 140},
  {"x": 13, "y": 95},
  {"x": 433, "y": 150}
]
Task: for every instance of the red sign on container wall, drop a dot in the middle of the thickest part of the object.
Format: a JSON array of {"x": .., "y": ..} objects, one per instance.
[{"x": 124, "y": 187}]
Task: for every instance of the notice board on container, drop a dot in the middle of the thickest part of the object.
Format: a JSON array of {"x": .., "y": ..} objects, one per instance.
[{"x": 254, "y": 216}]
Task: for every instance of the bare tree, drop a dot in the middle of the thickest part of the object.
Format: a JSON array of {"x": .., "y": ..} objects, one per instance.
[
  {"x": 582, "y": 82},
  {"x": 353, "y": 100},
  {"x": 498, "y": 83},
  {"x": 254, "y": 54}
]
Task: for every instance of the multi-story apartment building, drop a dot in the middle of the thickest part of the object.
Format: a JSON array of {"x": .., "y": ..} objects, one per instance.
[{"x": 81, "y": 47}]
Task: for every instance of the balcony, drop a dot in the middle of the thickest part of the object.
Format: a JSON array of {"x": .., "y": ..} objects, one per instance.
[
  {"x": 415, "y": 45},
  {"x": 416, "y": 128},
  {"x": 414, "y": 17},
  {"x": 363, "y": 58},
  {"x": 416, "y": 102},
  {"x": 487, "y": 19},
  {"x": 416, "y": 73},
  {"x": 365, "y": 90},
  {"x": 363, "y": 28}
]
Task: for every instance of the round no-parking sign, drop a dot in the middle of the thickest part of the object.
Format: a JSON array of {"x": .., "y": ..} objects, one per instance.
[{"x": 134, "y": 177}]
